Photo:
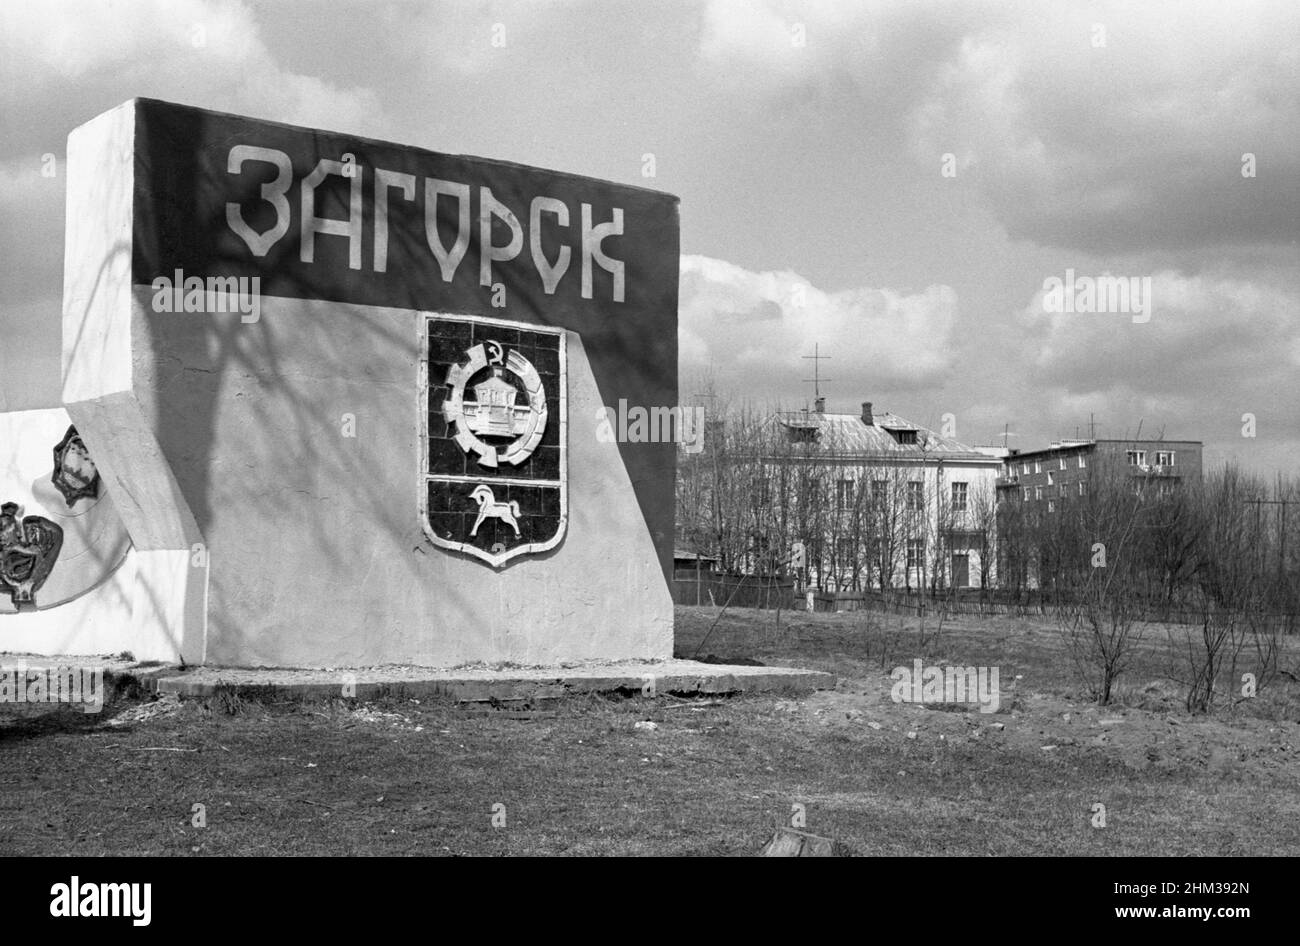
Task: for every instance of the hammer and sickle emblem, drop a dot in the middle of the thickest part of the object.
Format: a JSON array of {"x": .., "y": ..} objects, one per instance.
[{"x": 495, "y": 355}]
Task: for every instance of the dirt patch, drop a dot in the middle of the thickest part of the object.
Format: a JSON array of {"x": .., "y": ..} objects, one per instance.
[
  {"x": 369, "y": 715},
  {"x": 134, "y": 715}
]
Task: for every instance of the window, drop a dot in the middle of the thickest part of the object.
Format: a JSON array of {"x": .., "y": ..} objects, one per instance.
[
  {"x": 1038, "y": 492},
  {"x": 844, "y": 550},
  {"x": 1051, "y": 478},
  {"x": 1083, "y": 487},
  {"x": 1026, "y": 494},
  {"x": 1051, "y": 505},
  {"x": 1062, "y": 463},
  {"x": 1024, "y": 468},
  {"x": 904, "y": 436},
  {"x": 1064, "y": 491},
  {"x": 843, "y": 494},
  {"x": 1136, "y": 457},
  {"x": 1164, "y": 458},
  {"x": 1083, "y": 461},
  {"x": 879, "y": 492},
  {"x": 1038, "y": 466},
  {"x": 915, "y": 553},
  {"x": 915, "y": 495},
  {"x": 958, "y": 497}
]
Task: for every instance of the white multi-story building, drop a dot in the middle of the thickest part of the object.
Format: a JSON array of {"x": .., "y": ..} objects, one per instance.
[{"x": 876, "y": 501}]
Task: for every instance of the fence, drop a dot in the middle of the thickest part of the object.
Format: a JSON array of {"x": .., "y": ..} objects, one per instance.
[
  {"x": 755, "y": 592},
  {"x": 743, "y": 591},
  {"x": 904, "y": 603},
  {"x": 992, "y": 602}
]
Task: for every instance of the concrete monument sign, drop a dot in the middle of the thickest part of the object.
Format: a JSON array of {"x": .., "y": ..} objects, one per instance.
[{"x": 344, "y": 396}]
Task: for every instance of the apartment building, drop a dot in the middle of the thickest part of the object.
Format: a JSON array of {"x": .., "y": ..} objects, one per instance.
[{"x": 1060, "y": 472}]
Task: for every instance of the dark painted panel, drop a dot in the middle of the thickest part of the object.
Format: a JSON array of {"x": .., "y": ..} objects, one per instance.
[{"x": 183, "y": 188}]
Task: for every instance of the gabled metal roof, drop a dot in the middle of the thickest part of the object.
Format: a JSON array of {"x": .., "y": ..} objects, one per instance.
[{"x": 847, "y": 435}]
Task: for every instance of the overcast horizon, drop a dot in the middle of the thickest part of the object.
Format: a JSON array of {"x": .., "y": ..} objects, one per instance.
[{"x": 897, "y": 184}]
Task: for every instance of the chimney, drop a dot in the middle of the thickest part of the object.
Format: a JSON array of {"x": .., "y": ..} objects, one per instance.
[
  {"x": 819, "y": 405},
  {"x": 867, "y": 418}
]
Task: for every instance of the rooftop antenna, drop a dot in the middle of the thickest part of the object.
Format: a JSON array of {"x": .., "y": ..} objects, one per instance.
[{"x": 816, "y": 380}]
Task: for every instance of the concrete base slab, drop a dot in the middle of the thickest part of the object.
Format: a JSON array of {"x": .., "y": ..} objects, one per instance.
[
  {"x": 113, "y": 666},
  {"x": 503, "y": 684},
  {"x": 122, "y": 676}
]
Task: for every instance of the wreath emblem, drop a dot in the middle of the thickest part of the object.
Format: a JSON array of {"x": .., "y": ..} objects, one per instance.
[{"x": 495, "y": 411}]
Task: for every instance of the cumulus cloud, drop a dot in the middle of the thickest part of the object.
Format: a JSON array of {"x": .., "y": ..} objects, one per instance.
[
  {"x": 1217, "y": 329},
  {"x": 1114, "y": 126},
  {"x": 743, "y": 322},
  {"x": 1124, "y": 127},
  {"x": 768, "y": 45},
  {"x": 872, "y": 57},
  {"x": 199, "y": 52},
  {"x": 1215, "y": 348},
  {"x": 62, "y": 63},
  {"x": 1113, "y": 132}
]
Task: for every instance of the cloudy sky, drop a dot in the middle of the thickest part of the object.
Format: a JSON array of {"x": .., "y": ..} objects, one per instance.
[{"x": 894, "y": 182}]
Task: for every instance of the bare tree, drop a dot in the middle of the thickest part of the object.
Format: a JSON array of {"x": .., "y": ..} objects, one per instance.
[
  {"x": 1098, "y": 579},
  {"x": 1232, "y": 595}
]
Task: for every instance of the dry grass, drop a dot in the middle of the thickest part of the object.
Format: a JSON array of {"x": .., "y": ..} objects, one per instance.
[{"x": 577, "y": 777}]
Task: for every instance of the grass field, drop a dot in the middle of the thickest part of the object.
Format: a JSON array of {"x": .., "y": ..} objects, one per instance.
[{"x": 712, "y": 778}]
